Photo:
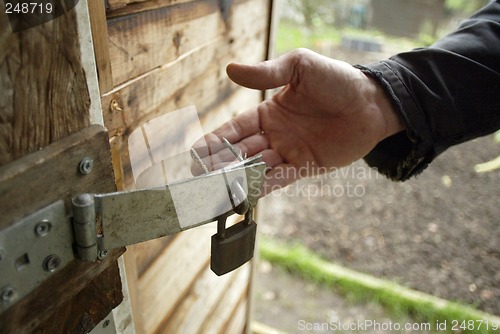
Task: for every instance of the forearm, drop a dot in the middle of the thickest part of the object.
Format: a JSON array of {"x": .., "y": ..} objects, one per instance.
[{"x": 445, "y": 94}]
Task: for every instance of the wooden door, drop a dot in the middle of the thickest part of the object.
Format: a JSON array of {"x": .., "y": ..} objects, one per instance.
[
  {"x": 152, "y": 57},
  {"x": 49, "y": 108}
]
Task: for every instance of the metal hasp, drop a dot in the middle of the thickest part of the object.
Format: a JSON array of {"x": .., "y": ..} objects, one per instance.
[{"x": 130, "y": 217}]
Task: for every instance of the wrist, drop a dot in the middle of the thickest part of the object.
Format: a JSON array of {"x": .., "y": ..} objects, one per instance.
[{"x": 392, "y": 118}]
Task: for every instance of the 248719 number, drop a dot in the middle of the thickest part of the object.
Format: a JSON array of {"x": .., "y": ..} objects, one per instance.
[
  {"x": 28, "y": 8},
  {"x": 472, "y": 325}
]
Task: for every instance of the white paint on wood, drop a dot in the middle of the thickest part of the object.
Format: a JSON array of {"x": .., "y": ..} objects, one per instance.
[
  {"x": 124, "y": 322},
  {"x": 88, "y": 61}
]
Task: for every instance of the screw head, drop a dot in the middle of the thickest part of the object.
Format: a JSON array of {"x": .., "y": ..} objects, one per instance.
[
  {"x": 86, "y": 165},
  {"x": 51, "y": 263},
  {"x": 7, "y": 294},
  {"x": 43, "y": 228},
  {"x": 102, "y": 254}
]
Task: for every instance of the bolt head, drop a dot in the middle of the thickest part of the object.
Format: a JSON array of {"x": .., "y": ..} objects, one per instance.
[
  {"x": 51, "y": 263},
  {"x": 7, "y": 294},
  {"x": 102, "y": 254},
  {"x": 86, "y": 165},
  {"x": 43, "y": 228}
]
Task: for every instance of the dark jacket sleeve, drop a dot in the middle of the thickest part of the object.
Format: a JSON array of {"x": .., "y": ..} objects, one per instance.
[{"x": 445, "y": 94}]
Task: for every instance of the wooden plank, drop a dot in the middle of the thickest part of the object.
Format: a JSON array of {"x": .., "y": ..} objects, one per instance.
[
  {"x": 171, "y": 275},
  {"x": 179, "y": 80},
  {"x": 145, "y": 253},
  {"x": 97, "y": 14},
  {"x": 42, "y": 99},
  {"x": 61, "y": 293},
  {"x": 128, "y": 7},
  {"x": 138, "y": 43},
  {"x": 192, "y": 79},
  {"x": 204, "y": 85},
  {"x": 239, "y": 322},
  {"x": 218, "y": 114},
  {"x": 65, "y": 320},
  {"x": 170, "y": 292},
  {"x": 202, "y": 300},
  {"x": 45, "y": 176},
  {"x": 227, "y": 307}
]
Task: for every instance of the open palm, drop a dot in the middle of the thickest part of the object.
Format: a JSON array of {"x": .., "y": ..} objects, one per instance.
[{"x": 328, "y": 114}]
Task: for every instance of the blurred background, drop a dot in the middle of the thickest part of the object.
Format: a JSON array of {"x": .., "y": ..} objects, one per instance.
[{"x": 438, "y": 233}]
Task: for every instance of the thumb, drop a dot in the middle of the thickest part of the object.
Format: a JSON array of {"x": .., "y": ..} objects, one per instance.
[{"x": 265, "y": 75}]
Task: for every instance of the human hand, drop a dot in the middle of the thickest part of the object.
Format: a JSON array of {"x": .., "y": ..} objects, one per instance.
[{"x": 328, "y": 114}]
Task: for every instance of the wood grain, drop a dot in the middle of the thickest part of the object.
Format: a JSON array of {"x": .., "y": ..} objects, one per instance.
[
  {"x": 197, "y": 77},
  {"x": 163, "y": 62},
  {"x": 84, "y": 310},
  {"x": 97, "y": 13},
  {"x": 144, "y": 41},
  {"x": 67, "y": 303},
  {"x": 239, "y": 323},
  {"x": 128, "y": 7},
  {"x": 43, "y": 89},
  {"x": 171, "y": 275},
  {"x": 45, "y": 176},
  {"x": 39, "y": 179},
  {"x": 147, "y": 252},
  {"x": 225, "y": 308},
  {"x": 200, "y": 303}
]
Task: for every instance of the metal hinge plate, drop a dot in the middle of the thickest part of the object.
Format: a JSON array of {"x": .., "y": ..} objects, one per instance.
[{"x": 33, "y": 249}]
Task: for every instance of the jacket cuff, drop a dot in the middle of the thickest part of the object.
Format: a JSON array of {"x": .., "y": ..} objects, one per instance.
[{"x": 405, "y": 154}]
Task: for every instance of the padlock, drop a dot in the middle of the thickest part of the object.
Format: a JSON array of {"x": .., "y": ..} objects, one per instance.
[{"x": 234, "y": 246}]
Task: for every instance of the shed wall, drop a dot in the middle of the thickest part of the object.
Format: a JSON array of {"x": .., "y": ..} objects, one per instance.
[{"x": 160, "y": 56}]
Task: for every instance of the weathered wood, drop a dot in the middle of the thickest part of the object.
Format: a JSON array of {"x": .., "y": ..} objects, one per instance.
[
  {"x": 67, "y": 290},
  {"x": 217, "y": 114},
  {"x": 238, "y": 322},
  {"x": 197, "y": 77},
  {"x": 128, "y": 7},
  {"x": 45, "y": 176},
  {"x": 39, "y": 179},
  {"x": 97, "y": 14},
  {"x": 83, "y": 311},
  {"x": 207, "y": 292},
  {"x": 138, "y": 43},
  {"x": 227, "y": 305},
  {"x": 171, "y": 275},
  {"x": 43, "y": 89},
  {"x": 147, "y": 252},
  {"x": 165, "y": 59}
]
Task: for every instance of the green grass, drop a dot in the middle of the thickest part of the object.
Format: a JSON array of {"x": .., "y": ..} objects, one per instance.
[
  {"x": 397, "y": 299},
  {"x": 290, "y": 36}
]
